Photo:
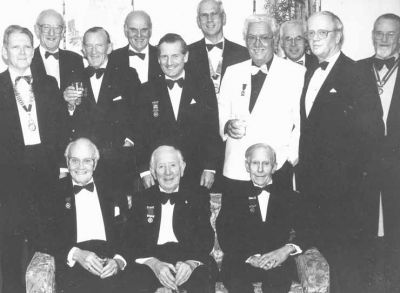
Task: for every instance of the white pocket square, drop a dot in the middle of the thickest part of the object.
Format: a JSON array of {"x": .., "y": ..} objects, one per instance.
[
  {"x": 117, "y": 98},
  {"x": 333, "y": 91},
  {"x": 193, "y": 101}
]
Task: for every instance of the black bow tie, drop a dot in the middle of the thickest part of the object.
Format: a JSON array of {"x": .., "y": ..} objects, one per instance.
[
  {"x": 323, "y": 65},
  {"x": 258, "y": 189},
  {"x": 171, "y": 83},
  {"x": 98, "y": 71},
  {"x": 172, "y": 197},
  {"x": 211, "y": 46},
  {"x": 380, "y": 62},
  {"x": 28, "y": 78},
  {"x": 56, "y": 55},
  {"x": 300, "y": 62},
  {"x": 140, "y": 55},
  {"x": 77, "y": 188}
]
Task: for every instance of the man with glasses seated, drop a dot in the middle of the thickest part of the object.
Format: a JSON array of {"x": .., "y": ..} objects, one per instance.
[
  {"x": 294, "y": 44},
  {"x": 83, "y": 222},
  {"x": 340, "y": 128},
  {"x": 65, "y": 66},
  {"x": 257, "y": 105}
]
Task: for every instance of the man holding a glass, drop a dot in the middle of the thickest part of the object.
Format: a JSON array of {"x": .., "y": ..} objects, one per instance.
[{"x": 257, "y": 105}]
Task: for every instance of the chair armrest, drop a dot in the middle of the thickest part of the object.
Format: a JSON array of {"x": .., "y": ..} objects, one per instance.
[
  {"x": 313, "y": 271},
  {"x": 40, "y": 274}
]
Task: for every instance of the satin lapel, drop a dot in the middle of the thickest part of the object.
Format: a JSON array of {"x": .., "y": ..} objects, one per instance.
[
  {"x": 63, "y": 65},
  {"x": 309, "y": 74},
  {"x": 226, "y": 56},
  {"x": 393, "y": 119},
  {"x": 330, "y": 81},
  {"x": 70, "y": 220},
  {"x": 37, "y": 62},
  {"x": 41, "y": 106},
  {"x": 10, "y": 105},
  {"x": 162, "y": 92},
  {"x": 157, "y": 219},
  {"x": 105, "y": 89}
]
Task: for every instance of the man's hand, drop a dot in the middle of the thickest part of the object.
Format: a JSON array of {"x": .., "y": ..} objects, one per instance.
[
  {"x": 274, "y": 258},
  {"x": 183, "y": 272},
  {"x": 236, "y": 128},
  {"x": 164, "y": 272},
  {"x": 148, "y": 181},
  {"x": 112, "y": 267},
  {"x": 89, "y": 261},
  {"x": 207, "y": 179},
  {"x": 254, "y": 260},
  {"x": 71, "y": 94}
]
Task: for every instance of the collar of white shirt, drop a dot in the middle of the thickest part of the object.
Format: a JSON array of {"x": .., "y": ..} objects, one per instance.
[
  {"x": 79, "y": 184},
  {"x": 43, "y": 52},
  {"x": 14, "y": 74},
  {"x": 176, "y": 78},
  {"x": 144, "y": 51},
  {"x": 332, "y": 61}
]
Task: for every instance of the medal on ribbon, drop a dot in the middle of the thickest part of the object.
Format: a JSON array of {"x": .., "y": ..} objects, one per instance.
[
  {"x": 150, "y": 214},
  {"x": 252, "y": 204},
  {"x": 243, "y": 89},
  {"x": 156, "y": 110},
  {"x": 380, "y": 82},
  {"x": 68, "y": 203}
]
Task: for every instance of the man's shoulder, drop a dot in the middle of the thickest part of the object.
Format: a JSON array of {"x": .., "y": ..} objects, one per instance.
[
  {"x": 70, "y": 55},
  {"x": 235, "y": 47},
  {"x": 119, "y": 53},
  {"x": 200, "y": 44}
]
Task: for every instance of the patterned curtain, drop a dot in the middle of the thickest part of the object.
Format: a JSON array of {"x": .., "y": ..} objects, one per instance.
[{"x": 284, "y": 10}]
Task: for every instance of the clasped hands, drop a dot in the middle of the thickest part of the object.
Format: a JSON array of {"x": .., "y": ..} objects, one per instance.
[
  {"x": 97, "y": 266},
  {"x": 271, "y": 259},
  {"x": 236, "y": 128},
  {"x": 171, "y": 276}
]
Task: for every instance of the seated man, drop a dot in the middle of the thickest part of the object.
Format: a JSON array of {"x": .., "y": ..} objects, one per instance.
[
  {"x": 83, "y": 221},
  {"x": 169, "y": 236},
  {"x": 254, "y": 227}
]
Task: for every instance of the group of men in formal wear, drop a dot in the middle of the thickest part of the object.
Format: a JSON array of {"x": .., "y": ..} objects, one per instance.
[{"x": 109, "y": 168}]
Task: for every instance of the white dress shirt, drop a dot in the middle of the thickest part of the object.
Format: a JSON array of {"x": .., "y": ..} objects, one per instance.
[
  {"x": 141, "y": 66},
  {"x": 215, "y": 54},
  {"x": 96, "y": 83},
  {"x": 51, "y": 64},
  {"x": 31, "y": 137},
  {"x": 263, "y": 199},
  {"x": 89, "y": 221},
  {"x": 386, "y": 100},
  {"x": 317, "y": 81},
  {"x": 175, "y": 94}
]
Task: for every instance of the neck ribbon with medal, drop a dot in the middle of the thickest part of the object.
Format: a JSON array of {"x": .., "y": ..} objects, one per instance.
[
  {"x": 381, "y": 82},
  {"x": 216, "y": 74},
  {"x": 28, "y": 108}
]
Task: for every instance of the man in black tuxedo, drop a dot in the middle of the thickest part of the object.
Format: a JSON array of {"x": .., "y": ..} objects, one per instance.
[
  {"x": 65, "y": 66},
  {"x": 294, "y": 43},
  {"x": 104, "y": 114},
  {"x": 31, "y": 126},
  {"x": 339, "y": 124},
  {"x": 211, "y": 55},
  {"x": 254, "y": 228},
  {"x": 179, "y": 108},
  {"x": 381, "y": 183},
  {"x": 83, "y": 220},
  {"x": 169, "y": 235},
  {"x": 138, "y": 54}
]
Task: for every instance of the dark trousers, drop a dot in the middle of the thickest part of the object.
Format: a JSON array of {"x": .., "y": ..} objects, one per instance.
[
  {"x": 141, "y": 279},
  {"x": 239, "y": 277}
]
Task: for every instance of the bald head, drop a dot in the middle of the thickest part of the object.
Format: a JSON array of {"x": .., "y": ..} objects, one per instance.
[{"x": 138, "y": 29}]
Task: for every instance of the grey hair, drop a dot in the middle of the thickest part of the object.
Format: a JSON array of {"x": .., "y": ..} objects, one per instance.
[
  {"x": 256, "y": 18},
  {"x": 139, "y": 12},
  {"x": 49, "y": 11},
  {"x": 265, "y": 146},
  {"x": 218, "y": 2},
  {"x": 336, "y": 21},
  {"x": 96, "y": 29},
  {"x": 298, "y": 22},
  {"x": 16, "y": 29},
  {"x": 390, "y": 16},
  {"x": 162, "y": 148},
  {"x": 96, "y": 153}
]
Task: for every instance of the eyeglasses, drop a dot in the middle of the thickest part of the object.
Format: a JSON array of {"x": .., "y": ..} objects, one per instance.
[
  {"x": 75, "y": 162},
  {"x": 212, "y": 15},
  {"x": 47, "y": 28},
  {"x": 289, "y": 40},
  {"x": 322, "y": 34},
  {"x": 264, "y": 39},
  {"x": 378, "y": 35}
]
